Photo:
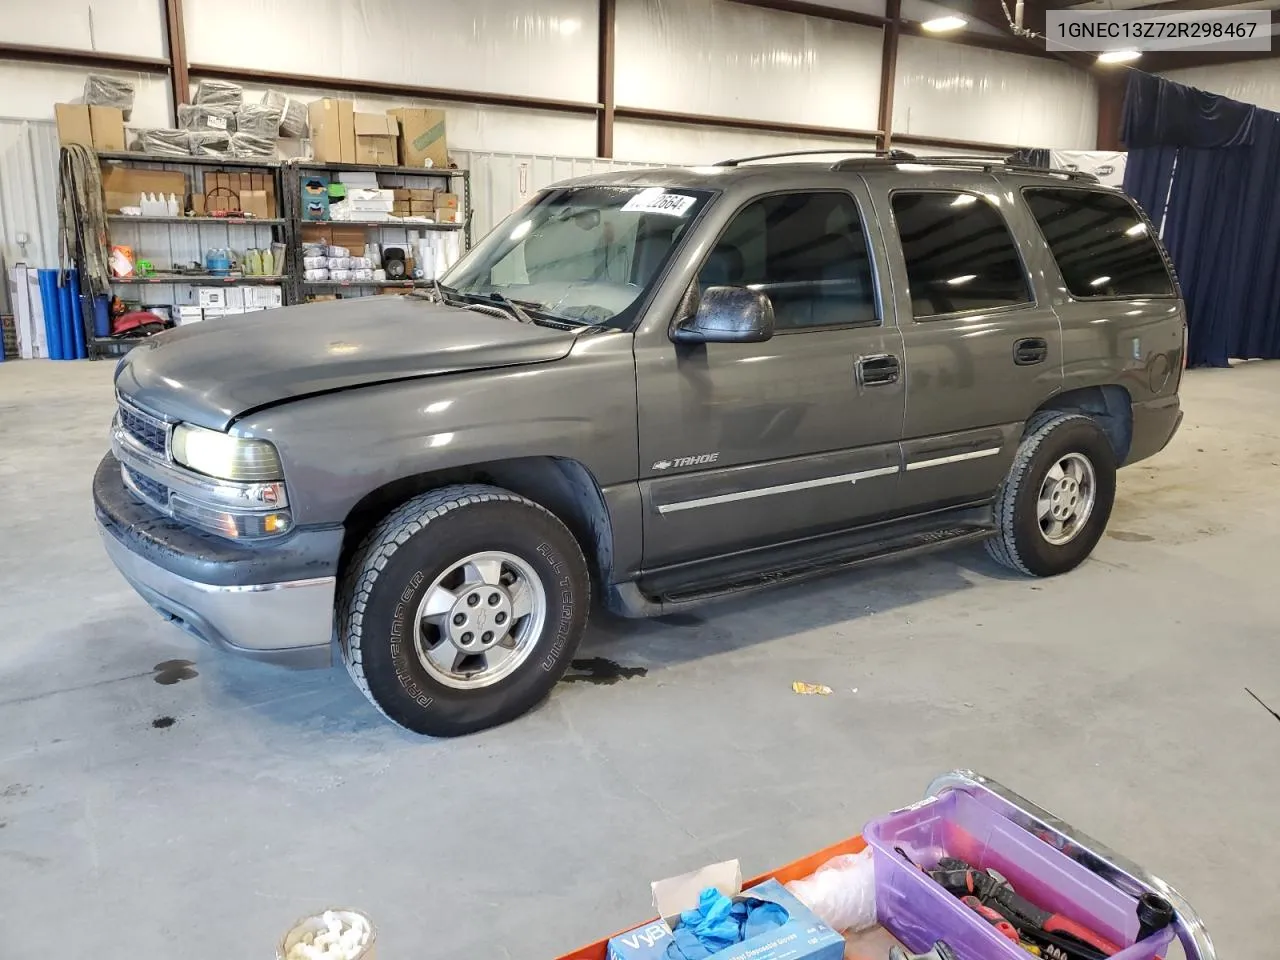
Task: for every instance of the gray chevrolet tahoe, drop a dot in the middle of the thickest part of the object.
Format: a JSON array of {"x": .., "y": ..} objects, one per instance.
[{"x": 646, "y": 390}]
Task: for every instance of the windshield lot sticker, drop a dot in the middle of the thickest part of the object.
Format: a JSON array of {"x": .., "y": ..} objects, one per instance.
[{"x": 655, "y": 201}]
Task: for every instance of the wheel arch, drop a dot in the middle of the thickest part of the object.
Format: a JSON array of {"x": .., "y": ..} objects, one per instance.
[
  {"x": 1110, "y": 405},
  {"x": 564, "y": 486}
]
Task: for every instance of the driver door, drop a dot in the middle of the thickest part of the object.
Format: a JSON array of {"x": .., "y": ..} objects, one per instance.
[{"x": 747, "y": 445}]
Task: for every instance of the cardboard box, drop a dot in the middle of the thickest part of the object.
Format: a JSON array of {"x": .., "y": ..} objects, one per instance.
[
  {"x": 123, "y": 186},
  {"x": 400, "y": 208},
  {"x": 357, "y": 178},
  {"x": 336, "y": 235},
  {"x": 417, "y": 209},
  {"x": 353, "y": 238},
  {"x": 263, "y": 298},
  {"x": 446, "y": 200},
  {"x": 425, "y": 196},
  {"x": 212, "y": 296},
  {"x": 254, "y": 203},
  {"x": 446, "y": 215},
  {"x": 186, "y": 315},
  {"x": 802, "y": 937},
  {"x": 401, "y": 193},
  {"x": 333, "y": 138},
  {"x": 422, "y": 137},
  {"x": 73, "y": 124},
  {"x": 376, "y": 138},
  {"x": 197, "y": 204},
  {"x": 107, "y": 124}
]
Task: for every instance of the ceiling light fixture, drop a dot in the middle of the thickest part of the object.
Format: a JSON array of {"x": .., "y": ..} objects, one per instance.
[
  {"x": 944, "y": 24},
  {"x": 1118, "y": 56}
]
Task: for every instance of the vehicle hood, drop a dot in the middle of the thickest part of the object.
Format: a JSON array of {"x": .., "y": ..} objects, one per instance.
[{"x": 213, "y": 372}]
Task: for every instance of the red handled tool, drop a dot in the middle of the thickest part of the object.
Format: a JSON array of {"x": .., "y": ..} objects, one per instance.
[
  {"x": 1060, "y": 936},
  {"x": 1003, "y": 926}
]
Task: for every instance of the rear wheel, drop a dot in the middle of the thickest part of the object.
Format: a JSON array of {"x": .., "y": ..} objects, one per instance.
[
  {"x": 1054, "y": 505},
  {"x": 462, "y": 609}
]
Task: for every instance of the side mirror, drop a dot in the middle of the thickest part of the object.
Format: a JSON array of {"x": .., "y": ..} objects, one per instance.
[{"x": 727, "y": 315}]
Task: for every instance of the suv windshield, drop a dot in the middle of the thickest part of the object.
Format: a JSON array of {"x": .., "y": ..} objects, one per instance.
[{"x": 582, "y": 254}]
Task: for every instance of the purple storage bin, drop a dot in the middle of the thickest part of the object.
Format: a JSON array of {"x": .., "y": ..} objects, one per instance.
[{"x": 918, "y": 911}]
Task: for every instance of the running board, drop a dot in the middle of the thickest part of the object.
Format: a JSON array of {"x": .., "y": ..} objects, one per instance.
[{"x": 647, "y": 597}]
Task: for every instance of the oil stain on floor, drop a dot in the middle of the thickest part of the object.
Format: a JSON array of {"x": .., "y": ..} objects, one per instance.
[
  {"x": 163, "y": 723},
  {"x": 170, "y": 672},
  {"x": 1128, "y": 537},
  {"x": 601, "y": 671}
]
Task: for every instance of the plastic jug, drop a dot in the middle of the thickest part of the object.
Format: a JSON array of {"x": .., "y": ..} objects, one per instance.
[{"x": 218, "y": 262}]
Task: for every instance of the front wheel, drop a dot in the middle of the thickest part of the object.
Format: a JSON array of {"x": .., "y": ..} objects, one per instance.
[
  {"x": 1053, "y": 506},
  {"x": 462, "y": 609}
]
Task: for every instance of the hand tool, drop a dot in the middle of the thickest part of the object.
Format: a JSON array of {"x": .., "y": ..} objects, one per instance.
[
  {"x": 939, "y": 951},
  {"x": 1042, "y": 927},
  {"x": 993, "y": 917}
]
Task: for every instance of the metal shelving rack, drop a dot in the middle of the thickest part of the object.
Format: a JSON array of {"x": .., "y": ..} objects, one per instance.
[
  {"x": 292, "y": 173},
  {"x": 279, "y": 227}
]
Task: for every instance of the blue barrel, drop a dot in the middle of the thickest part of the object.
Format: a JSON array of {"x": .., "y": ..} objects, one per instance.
[
  {"x": 102, "y": 316},
  {"x": 77, "y": 315},
  {"x": 52, "y": 308}
]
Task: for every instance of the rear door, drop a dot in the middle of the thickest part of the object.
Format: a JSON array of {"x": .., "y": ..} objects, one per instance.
[
  {"x": 746, "y": 445},
  {"x": 983, "y": 346}
]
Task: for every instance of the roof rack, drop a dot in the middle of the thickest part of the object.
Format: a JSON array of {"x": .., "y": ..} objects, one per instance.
[
  {"x": 882, "y": 154},
  {"x": 986, "y": 164}
]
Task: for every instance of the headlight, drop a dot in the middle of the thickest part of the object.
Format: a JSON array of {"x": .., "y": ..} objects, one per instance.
[{"x": 226, "y": 457}]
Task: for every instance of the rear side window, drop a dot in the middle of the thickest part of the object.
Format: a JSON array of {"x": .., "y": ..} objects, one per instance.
[
  {"x": 1100, "y": 243},
  {"x": 959, "y": 254},
  {"x": 806, "y": 251}
]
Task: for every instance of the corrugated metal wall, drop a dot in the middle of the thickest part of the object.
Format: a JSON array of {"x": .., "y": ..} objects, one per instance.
[
  {"x": 501, "y": 182},
  {"x": 28, "y": 196}
]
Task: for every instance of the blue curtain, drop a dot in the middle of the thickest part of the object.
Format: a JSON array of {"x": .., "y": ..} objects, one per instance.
[{"x": 1217, "y": 162}]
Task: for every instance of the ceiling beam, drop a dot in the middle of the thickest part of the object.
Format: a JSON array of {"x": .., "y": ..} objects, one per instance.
[
  {"x": 1158, "y": 61},
  {"x": 604, "y": 77},
  {"x": 888, "y": 72},
  {"x": 816, "y": 10},
  {"x": 94, "y": 60},
  {"x": 175, "y": 29},
  {"x": 378, "y": 88}
]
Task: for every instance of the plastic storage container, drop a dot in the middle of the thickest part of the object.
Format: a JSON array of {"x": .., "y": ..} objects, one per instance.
[{"x": 919, "y": 911}]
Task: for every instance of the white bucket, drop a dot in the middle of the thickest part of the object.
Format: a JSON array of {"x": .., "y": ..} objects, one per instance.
[{"x": 315, "y": 924}]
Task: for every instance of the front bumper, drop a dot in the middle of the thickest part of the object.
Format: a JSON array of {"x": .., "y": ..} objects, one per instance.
[{"x": 268, "y": 602}]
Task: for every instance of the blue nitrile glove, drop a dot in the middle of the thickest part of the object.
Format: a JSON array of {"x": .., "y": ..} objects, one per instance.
[
  {"x": 762, "y": 916},
  {"x": 719, "y": 922}
]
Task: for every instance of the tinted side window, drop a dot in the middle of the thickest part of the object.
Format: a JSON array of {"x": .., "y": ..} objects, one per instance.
[
  {"x": 1100, "y": 243},
  {"x": 959, "y": 253},
  {"x": 807, "y": 251}
]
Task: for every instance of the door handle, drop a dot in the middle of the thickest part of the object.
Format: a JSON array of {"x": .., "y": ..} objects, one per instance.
[
  {"x": 878, "y": 370},
  {"x": 1030, "y": 350}
]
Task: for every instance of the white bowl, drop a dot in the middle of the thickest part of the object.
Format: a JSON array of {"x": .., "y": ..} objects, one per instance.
[{"x": 315, "y": 924}]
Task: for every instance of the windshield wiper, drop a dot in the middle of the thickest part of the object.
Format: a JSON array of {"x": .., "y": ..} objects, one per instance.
[{"x": 515, "y": 309}]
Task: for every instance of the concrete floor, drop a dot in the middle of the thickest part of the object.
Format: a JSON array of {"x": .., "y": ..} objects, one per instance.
[{"x": 1113, "y": 696}]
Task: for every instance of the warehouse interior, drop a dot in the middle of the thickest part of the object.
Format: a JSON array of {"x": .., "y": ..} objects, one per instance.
[{"x": 223, "y": 222}]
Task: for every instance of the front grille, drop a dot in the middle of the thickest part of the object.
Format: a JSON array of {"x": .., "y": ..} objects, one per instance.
[
  {"x": 145, "y": 430},
  {"x": 151, "y": 490}
]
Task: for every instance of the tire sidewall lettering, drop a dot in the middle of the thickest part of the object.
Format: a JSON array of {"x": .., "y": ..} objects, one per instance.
[
  {"x": 400, "y": 649},
  {"x": 565, "y": 622}
]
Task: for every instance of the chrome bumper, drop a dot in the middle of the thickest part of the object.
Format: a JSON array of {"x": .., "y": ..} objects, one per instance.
[{"x": 289, "y": 623}]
